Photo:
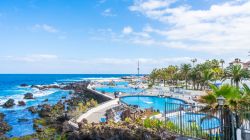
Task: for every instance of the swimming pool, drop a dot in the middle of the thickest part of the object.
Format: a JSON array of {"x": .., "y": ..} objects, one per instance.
[
  {"x": 117, "y": 83},
  {"x": 199, "y": 119},
  {"x": 155, "y": 102},
  {"x": 186, "y": 119},
  {"x": 113, "y": 89}
]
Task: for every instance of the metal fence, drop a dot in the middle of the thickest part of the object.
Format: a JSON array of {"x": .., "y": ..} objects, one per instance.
[
  {"x": 242, "y": 115},
  {"x": 199, "y": 122}
]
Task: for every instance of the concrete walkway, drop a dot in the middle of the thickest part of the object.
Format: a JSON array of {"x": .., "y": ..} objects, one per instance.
[
  {"x": 96, "y": 113},
  {"x": 96, "y": 116}
]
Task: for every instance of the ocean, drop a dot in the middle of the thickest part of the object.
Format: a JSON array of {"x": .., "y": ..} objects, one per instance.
[{"x": 10, "y": 88}]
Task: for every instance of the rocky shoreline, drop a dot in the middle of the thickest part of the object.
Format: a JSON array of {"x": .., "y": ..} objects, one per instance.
[
  {"x": 4, "y": 127},
  {"x": 54, "y": 115},
  {"x": 53, "y": 121}
]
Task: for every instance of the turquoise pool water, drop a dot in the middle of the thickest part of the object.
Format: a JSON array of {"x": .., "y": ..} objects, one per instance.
[
  {"x": 157, "y": 103},
  {"x": 118, "y": 83},
  {"x": 189, "y": 118},
  {"x": 112, "y": 89}
]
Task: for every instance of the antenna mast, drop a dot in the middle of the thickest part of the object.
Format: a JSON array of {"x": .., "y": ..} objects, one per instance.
[{"x": 138, "y": 69}]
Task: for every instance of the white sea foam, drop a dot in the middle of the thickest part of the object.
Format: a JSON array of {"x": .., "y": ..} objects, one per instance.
[
  {"x": 15, "y": 94},
  {"x": 41, "y": 93},
  {"x": 16, "y": 97},
  {"x": 55, "y": 83},
  {"x": 20, "y": 94},
  {"x": 100, "y": 78},
  {"x": 70, "y": 80}
]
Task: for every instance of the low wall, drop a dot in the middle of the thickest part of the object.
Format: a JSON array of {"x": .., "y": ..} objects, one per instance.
[{"x": 107, "y": 97}]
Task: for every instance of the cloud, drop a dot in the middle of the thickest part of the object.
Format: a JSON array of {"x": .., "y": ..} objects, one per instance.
[
  {"x": 222, "y": 28},
  {"x": 143, "y": 5},
  {"x": 45, "y": 27},
  {"x": 105, "y": 35},
  {"x": 126, "y": 65},
  {"x": 127, "y": 30},
  {"x": 31, "y": 58},
  {"x": 108, "y": 13},
  {"x": 42, "y": 62},
  {"x": 111, "y": 61}
]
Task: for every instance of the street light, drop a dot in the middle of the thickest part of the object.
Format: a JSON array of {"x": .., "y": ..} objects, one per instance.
[{"x": 220, "y": 100}]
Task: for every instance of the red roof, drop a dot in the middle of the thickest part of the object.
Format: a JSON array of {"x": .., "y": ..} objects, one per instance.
[{"x": 248, "y": 63}]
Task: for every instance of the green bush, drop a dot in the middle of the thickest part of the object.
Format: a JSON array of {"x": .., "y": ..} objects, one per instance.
[
  {"x": 152, "y": 123},
  {"x": 40, "y": 121}
]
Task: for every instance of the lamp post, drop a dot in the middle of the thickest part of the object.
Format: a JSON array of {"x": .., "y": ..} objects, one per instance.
[{"x": 221, "y": 102}]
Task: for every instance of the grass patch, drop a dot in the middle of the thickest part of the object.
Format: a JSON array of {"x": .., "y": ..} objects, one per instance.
[{"x": 40, "y": 121}]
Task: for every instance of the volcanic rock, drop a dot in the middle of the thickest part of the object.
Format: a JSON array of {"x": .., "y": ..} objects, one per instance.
[
  {"x": 32, "y": 109},
  {"x": 21, "y": 103},
  {"x": 4, "y": 127},
  {"x": 9, "y": 103},
  {"x": 24, "y": 85},
  {"x": 2, "y": 116},
  {"x": 28, "y": 96}
]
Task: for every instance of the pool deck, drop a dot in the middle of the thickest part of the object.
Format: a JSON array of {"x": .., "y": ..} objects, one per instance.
[{"x": 185, "y": 97}]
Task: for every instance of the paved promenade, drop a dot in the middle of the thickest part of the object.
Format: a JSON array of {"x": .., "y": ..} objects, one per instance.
[{"x": 94, "y": 114}]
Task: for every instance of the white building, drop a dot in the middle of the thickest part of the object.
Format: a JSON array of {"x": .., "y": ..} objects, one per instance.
[{"x": 237, "y": 61}]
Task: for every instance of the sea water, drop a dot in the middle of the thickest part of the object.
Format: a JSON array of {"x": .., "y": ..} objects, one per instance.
[{"x": 10, "y": 88}]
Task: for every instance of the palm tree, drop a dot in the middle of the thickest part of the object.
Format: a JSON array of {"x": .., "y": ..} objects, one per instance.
[
  {"x": 222, "y": 63},
  {"x": 153, "y": 76},
  {"x": 163, "y": 75},
  {"x": 193, "y": 76},
  {"x": 172, "y": 70},
  {"x": 185, "y": 70},
  {"x": 166, "y": 76},
  {"x": 218, "y": 73},
  {"x": 232, "y": 98},
  {"x": 206, "y": 76},
  {"x": 193, "y": 61},
  {"x": 235, "y": 99},
  {"x": 243, "y": 108},
  {"x": 237, "y": 74}
]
